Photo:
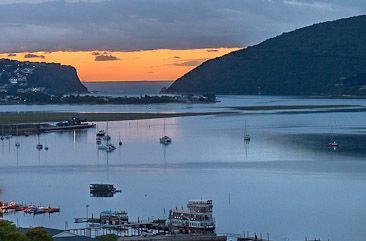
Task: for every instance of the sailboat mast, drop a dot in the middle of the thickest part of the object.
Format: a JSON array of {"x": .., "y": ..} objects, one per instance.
[
  {"x": 164, "y": 129},
  {"x": 107, "y": 134},
  {"x": 245, "y": 128}
]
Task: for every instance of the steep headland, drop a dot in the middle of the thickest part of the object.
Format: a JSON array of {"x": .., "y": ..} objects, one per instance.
[
  {"x": 323, "y": 59},
  {"x": 22, "y": 77}
]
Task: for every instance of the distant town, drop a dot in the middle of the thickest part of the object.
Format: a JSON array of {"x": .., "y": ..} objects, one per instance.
[
  {"x": 15, "y": 78},
  {"x": 42, "y": 96}
]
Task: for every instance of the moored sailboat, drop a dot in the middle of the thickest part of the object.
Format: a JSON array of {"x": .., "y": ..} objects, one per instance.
[
  {"x": 246, "y": 135},
  {"x": 165, "y": 140}
]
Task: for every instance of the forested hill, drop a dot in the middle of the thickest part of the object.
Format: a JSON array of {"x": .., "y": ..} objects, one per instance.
[
  {"x": 323, "y": 59},
  {"x": 16, "y": 76}
]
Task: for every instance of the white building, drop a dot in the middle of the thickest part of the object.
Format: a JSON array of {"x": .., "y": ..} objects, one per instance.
[{"x": 197, "y": 218}]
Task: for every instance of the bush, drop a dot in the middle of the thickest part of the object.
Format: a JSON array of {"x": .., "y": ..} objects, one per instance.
[
  {"x": 9, "y": 232},
  {"x": 38, "y": 234},
  {"x": 108, "y": 237}
]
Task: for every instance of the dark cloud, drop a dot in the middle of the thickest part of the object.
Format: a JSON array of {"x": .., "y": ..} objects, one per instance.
[
  {"x": 12, "y": 55},
  {"x": 34, "y": 56},
  {"x": 176, "y": 57},
  {"x": 212, "y": 50},
  {"x": 95, "y": 53},
  {"x": 189, "y": 63},
  {"x": 105, "y": 57},
  {"x": 117, "y": 25}
]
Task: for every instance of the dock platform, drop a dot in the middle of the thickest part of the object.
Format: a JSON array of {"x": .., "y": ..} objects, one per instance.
[{"x": 180, "y": 237}]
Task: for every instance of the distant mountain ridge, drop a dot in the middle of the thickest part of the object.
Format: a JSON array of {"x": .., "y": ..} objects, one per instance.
[
  {"x": 323, "y": 59},
  {"x": 17, "y": 76}
]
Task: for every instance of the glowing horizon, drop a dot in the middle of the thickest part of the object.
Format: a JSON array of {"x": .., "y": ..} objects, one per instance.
[{"x": 146, "y": 65}]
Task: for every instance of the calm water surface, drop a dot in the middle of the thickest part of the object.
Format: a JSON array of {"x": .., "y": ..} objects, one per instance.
[{"x": 285, "y": 181}]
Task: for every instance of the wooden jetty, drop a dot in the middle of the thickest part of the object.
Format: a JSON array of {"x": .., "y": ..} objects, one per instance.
[
  {"x": 36, "y": 128},
  {"x": 180, "y": 237},
  {"x": 251, "y": 239},
  {"x": 67, "y": 128}
]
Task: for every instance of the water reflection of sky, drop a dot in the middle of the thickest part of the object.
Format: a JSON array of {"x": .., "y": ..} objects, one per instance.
[{"x": 285, "y": 181}]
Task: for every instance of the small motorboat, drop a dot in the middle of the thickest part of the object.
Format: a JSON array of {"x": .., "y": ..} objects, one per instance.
[
  {"x": 108, "y": 147},
  {"x": 101, "y": 133},
  {"x": 120, "y": 141},
  {"x": 333, "y": 144},
  {"x": 165, "y": 140}
]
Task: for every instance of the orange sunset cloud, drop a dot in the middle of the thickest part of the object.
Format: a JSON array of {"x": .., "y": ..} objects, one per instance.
[{"x": 161, "y": 64}]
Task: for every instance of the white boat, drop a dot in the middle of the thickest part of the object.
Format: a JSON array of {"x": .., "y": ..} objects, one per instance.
[
  {"x": 107, "y": 147},
  {"x": 101, "y": 133},
  {"x": 39, "y": 146},
  {"x": 165, "y": 140},
  {"x": 333, "y": 143}
]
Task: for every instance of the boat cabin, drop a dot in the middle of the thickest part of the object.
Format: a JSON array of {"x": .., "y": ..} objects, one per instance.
[
  {"x": 113, "y": 217},
  {"x": 197, "y": 218}
]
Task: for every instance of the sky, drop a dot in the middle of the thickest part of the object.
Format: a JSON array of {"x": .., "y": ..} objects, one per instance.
[{"x": 150, "y": 39}]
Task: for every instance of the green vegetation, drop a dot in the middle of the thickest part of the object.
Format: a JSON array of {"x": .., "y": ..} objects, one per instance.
[
  {"x": 8, "y": 232},
  {"x": 38, "y": 234},
  {"x": 320, "y": 60},
  {"x": 108, "y": 237},
  {"x": 44, "y": 98},
  {"x": 37, "y": 117}
]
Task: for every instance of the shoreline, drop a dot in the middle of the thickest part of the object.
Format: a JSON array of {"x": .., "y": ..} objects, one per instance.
[{"x": 11, "y": 118}]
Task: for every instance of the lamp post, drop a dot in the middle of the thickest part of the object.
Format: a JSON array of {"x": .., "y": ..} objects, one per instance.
[{"x": 87, "y": 220}]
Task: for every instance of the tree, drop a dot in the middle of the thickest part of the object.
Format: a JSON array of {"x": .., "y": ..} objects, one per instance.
[
  {"x": 38, "y": 234},
  {"x": 8, "y": 232},
  {"x": 108, "y": 237}
]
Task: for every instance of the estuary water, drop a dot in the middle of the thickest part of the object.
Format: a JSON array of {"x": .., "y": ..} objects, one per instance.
[{"x": 285, "y": 181}]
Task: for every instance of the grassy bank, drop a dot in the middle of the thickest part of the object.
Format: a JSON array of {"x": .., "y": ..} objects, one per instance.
[
  {"x": 292, "y": 107},
  {"x": 38, "y": 117}
]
